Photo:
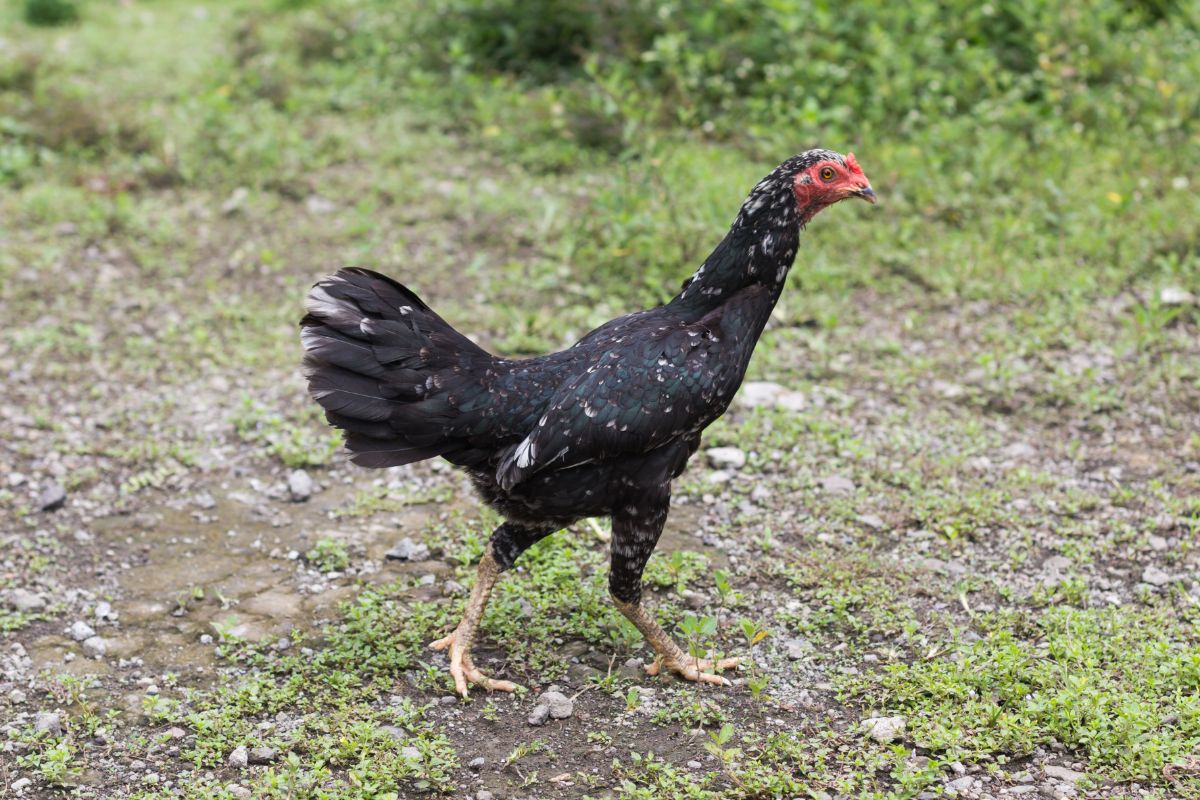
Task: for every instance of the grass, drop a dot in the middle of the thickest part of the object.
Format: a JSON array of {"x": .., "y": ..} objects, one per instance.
[{"x": 176, "y": 175}]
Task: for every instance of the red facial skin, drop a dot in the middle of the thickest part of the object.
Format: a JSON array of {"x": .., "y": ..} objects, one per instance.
[{"x": 829, "y": 181}]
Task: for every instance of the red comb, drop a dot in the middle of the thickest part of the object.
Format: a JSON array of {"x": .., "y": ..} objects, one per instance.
[{"x": 853, "y": 164}]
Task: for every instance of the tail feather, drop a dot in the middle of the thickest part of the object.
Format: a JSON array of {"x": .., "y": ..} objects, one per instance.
[{"x": 384, "y": 367}]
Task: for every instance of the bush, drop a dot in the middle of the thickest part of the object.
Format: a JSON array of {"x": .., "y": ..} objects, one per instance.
[{"x": 49, "y": 13}]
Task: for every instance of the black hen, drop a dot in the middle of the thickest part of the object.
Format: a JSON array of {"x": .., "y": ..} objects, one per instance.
[{"x": 600, "y": 429}]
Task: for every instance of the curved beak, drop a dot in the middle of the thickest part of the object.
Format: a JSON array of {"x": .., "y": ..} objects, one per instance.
[{"x": 865, "y": 192}]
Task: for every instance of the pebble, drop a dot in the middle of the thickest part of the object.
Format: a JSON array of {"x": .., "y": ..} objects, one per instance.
[
  {"x": 408, "y": 550},
  {"x": 47, "y": 722},
  {"x": 261, "y": 755},
  {"x": 797, "y": 648},
  {"x": 1155, "y": 576},
  {"x": 452, "y": 587},
  {"x": 960, "y": 784},
  {"x": 81, "y": 630},
  {"x": 104, "y": 610},
  {"x": 755, "y": 394},
  {"x": 883, "y": 729},
  {"x": 52, "y": 498},
  {"x": 1022, "y": 789},
  {"x": 25, "y": 601},
  {"x": 1176, "y": 296},
  {"x": 1062, "y": 773},
  {"x": 175, "y": 733},
  {"x": 410, "y": 752},
  {"x": 21, "y": 784},
  {"x": 726, "y": 457},
  {"x": 16, "y": 697},
  {"x": 239, "y": 791},
  {"x": 477, "y": 763},
  {"x": 300, "y": 485},
  {"x": 239, "y": 758},
  {"x": 871, "y": 521},
  {"x": 694, "y": 765},
  {"x": 1157, "y": 542},
  {"x": 551, "y": 704},
  {"x": 94, "y": 646},
  {"x": 484, "y": 794},
  {"x": 760, "y": 493},
  {"x": 837, "y": 484}
]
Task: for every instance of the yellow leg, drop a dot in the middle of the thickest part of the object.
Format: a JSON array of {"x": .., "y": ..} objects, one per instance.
[
  {"x": 459, "y": 642},
  {"x": 669, "y": 654}
]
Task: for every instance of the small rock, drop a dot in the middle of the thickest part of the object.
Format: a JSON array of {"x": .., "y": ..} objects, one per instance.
[
  {"x": 410, "y": 752},
  {"x": 52, "y": 497},
  {"x": 725, "y": 457},
  {"x": 871, "y": 521},
  {"x": 484, "y": 794},
  {"x": 1062, "y": 773},
  {"x": 960, "y": 784},
  {"x": 1155, "y": 576},
  {"x": 720, "y": 476},
  {"x": 408, "y": 550},
  {"x": 760, "y": 493},
  {"x": 81, "y": 630},
  {"x": 452, "y": 587},
  {"x": 1176, "y": 296},
  {"x": 21, "y": 784},
  {"x": 16, "y": 697},
  {"x": 837, "y": 484},
  {"x": 883, "y": 729},
  {"x": 239, "y": 791},
  {"x": 318, "y": 206},
  {"x": 1019, "y": 790},
  {"x": 204, "y": 501},
  {"x": 175, "y": 733},
  {"x": 47, "y": 722},
  {"x": 104, "y": 610},
  {"x": 26, "y": 601},
  {"x": 561, "y": 706},
  {"x": 239, "y": 758},
  {"x": 477, "y": 763},
  {"x": 694, "y": 765},
  {"x": 300, "y": 485},
  {"x": 539, "y": 715},
  {"x": 94, "y": 646},
  {"x": 694, "y": 599},
  {"x": 1019, "y": 451},
  {"x": 261, "y": 755},
  {"x": 1157, "y": 543},
  {"x": 797, "y": 648},
  {"x": 233, "y": 204}
]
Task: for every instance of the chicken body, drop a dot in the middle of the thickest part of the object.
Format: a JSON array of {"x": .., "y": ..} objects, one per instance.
[{"x": 598, "y": 430}]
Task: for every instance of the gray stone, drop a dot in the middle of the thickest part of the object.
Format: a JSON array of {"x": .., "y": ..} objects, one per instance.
[
  {"x": 94, "y": 646},
  {"x": 262, "y": 755},
  {"x": 1062, "y": 773},
  {"x": 871, "y": 521},
  {"x": 26, "y": 601},
  {"x": 52, "y": 498},
  {"x": 725, "y": 457},
  {"x": 239, "y": 758},
  {"x": 16, "y": 697},
  {"x": 410, "y": 752},
  {"x": 1176, "y": 296},
  {"x": 1156, "y": 542},
  {"x": 21, "y": 784},
  {"x": 477, "y": 763},
  {"x": 539, "y": 715},
  {"x": 882, "y": 729},
  {"x": 81, "y": 630},
  {"x": 561, "y": 706},
  {"x": 797, "y": 648},
  {"x": 837, "y": 484},
  {"x": 484, "y": 794},
  {"x": 452, "y": 587},
  {"x": 239, "y": 791},
  {"x": 47, "y": 722},
  {"x": 408, "y": 550},
  {"x": 1022, "y": 789},
  {"x": 300, "y": 485},
  {"x": 175, "y": 733},
  {"x": 960, "y": 784},
  {"x": 1155, "y": 576},
  {"x": 760, "y": 493},
  {"x": 694, "y": 765}
]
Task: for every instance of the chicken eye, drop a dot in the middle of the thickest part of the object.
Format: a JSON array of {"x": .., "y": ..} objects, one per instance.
[{"x": 827, "y": 173}]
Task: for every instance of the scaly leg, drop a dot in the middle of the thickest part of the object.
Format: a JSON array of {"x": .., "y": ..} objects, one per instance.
[
  {"x": 670, "y": 655},
  {"x": 462, "y": 669},
  {"x": 636, "y": 528}
]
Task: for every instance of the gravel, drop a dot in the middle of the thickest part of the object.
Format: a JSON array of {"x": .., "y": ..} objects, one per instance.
[
  {"x": 408, "y": 550},
  {"x": 797, "y": 648},
  {"x": 837, "y": 484},
  {"x": 1062, "y": 773}
]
